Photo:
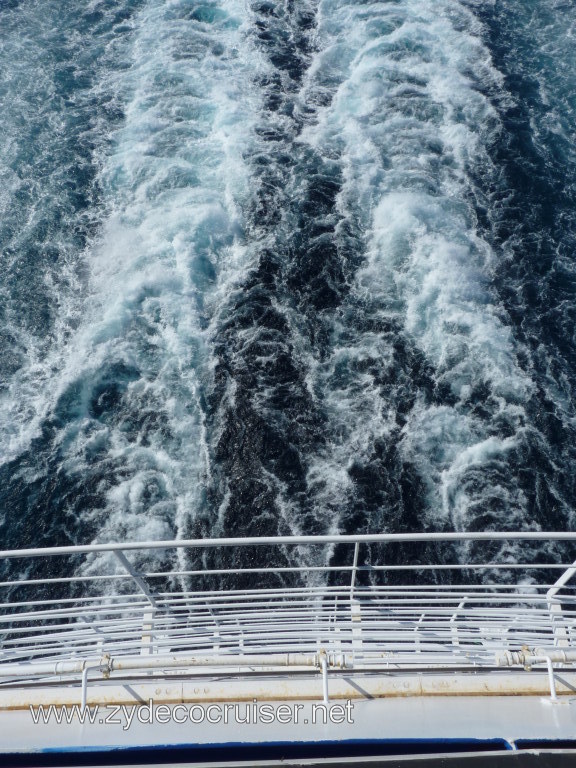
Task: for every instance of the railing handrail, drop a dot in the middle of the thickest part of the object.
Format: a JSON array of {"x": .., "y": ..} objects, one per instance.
[
  {"x": 244, "y": 541},
  {"x": 444, "y": 625}
]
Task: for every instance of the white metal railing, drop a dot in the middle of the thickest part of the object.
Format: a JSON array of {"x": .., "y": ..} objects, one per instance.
[{"x": 356, "y": 615}]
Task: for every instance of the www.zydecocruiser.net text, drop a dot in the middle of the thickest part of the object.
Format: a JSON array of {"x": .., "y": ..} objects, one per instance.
[{"x": 238, "y": 713}]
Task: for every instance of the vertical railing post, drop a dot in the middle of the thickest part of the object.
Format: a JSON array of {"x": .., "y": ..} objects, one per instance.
[
  {"x": 355, "y": 611},
  {"x": 354, "y": 569},
  {"x": 323, "y": 658},
  {"x": 551, "y": 680},
  {"x": 555, "y": 608},
  {"x": 147, "y": 647},
  {"x": 454, "y": 619}
]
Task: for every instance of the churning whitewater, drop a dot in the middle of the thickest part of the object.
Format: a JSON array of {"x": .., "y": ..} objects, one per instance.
[{"x": 286, "y": 266}]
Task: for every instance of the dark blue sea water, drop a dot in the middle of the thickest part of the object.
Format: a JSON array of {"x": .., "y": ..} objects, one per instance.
[{"x": 286, "y": 266}]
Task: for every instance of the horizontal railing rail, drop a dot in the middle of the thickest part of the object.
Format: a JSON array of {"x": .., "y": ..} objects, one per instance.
[{"x": 245, "y": 541}]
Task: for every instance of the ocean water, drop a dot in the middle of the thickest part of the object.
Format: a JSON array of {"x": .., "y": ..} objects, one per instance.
[{"x": 286, "y": 266}]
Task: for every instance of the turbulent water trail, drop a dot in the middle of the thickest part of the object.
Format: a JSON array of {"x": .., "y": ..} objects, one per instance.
[
  {"x": 265, "y": 417},
  {"x": 422, "y": 338},
  {"x": 530, "y": 217},
  {"x": 286, "y": 266},
  {"x": 116, "y": 434}
]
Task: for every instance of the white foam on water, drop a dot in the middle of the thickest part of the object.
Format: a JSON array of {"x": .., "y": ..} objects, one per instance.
[
  {"x": 173, "y": 184},
  {"x": 178, "y": 180},
  {"x": 411, "y": 124},
  {"x": 36, "y": 214}
]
